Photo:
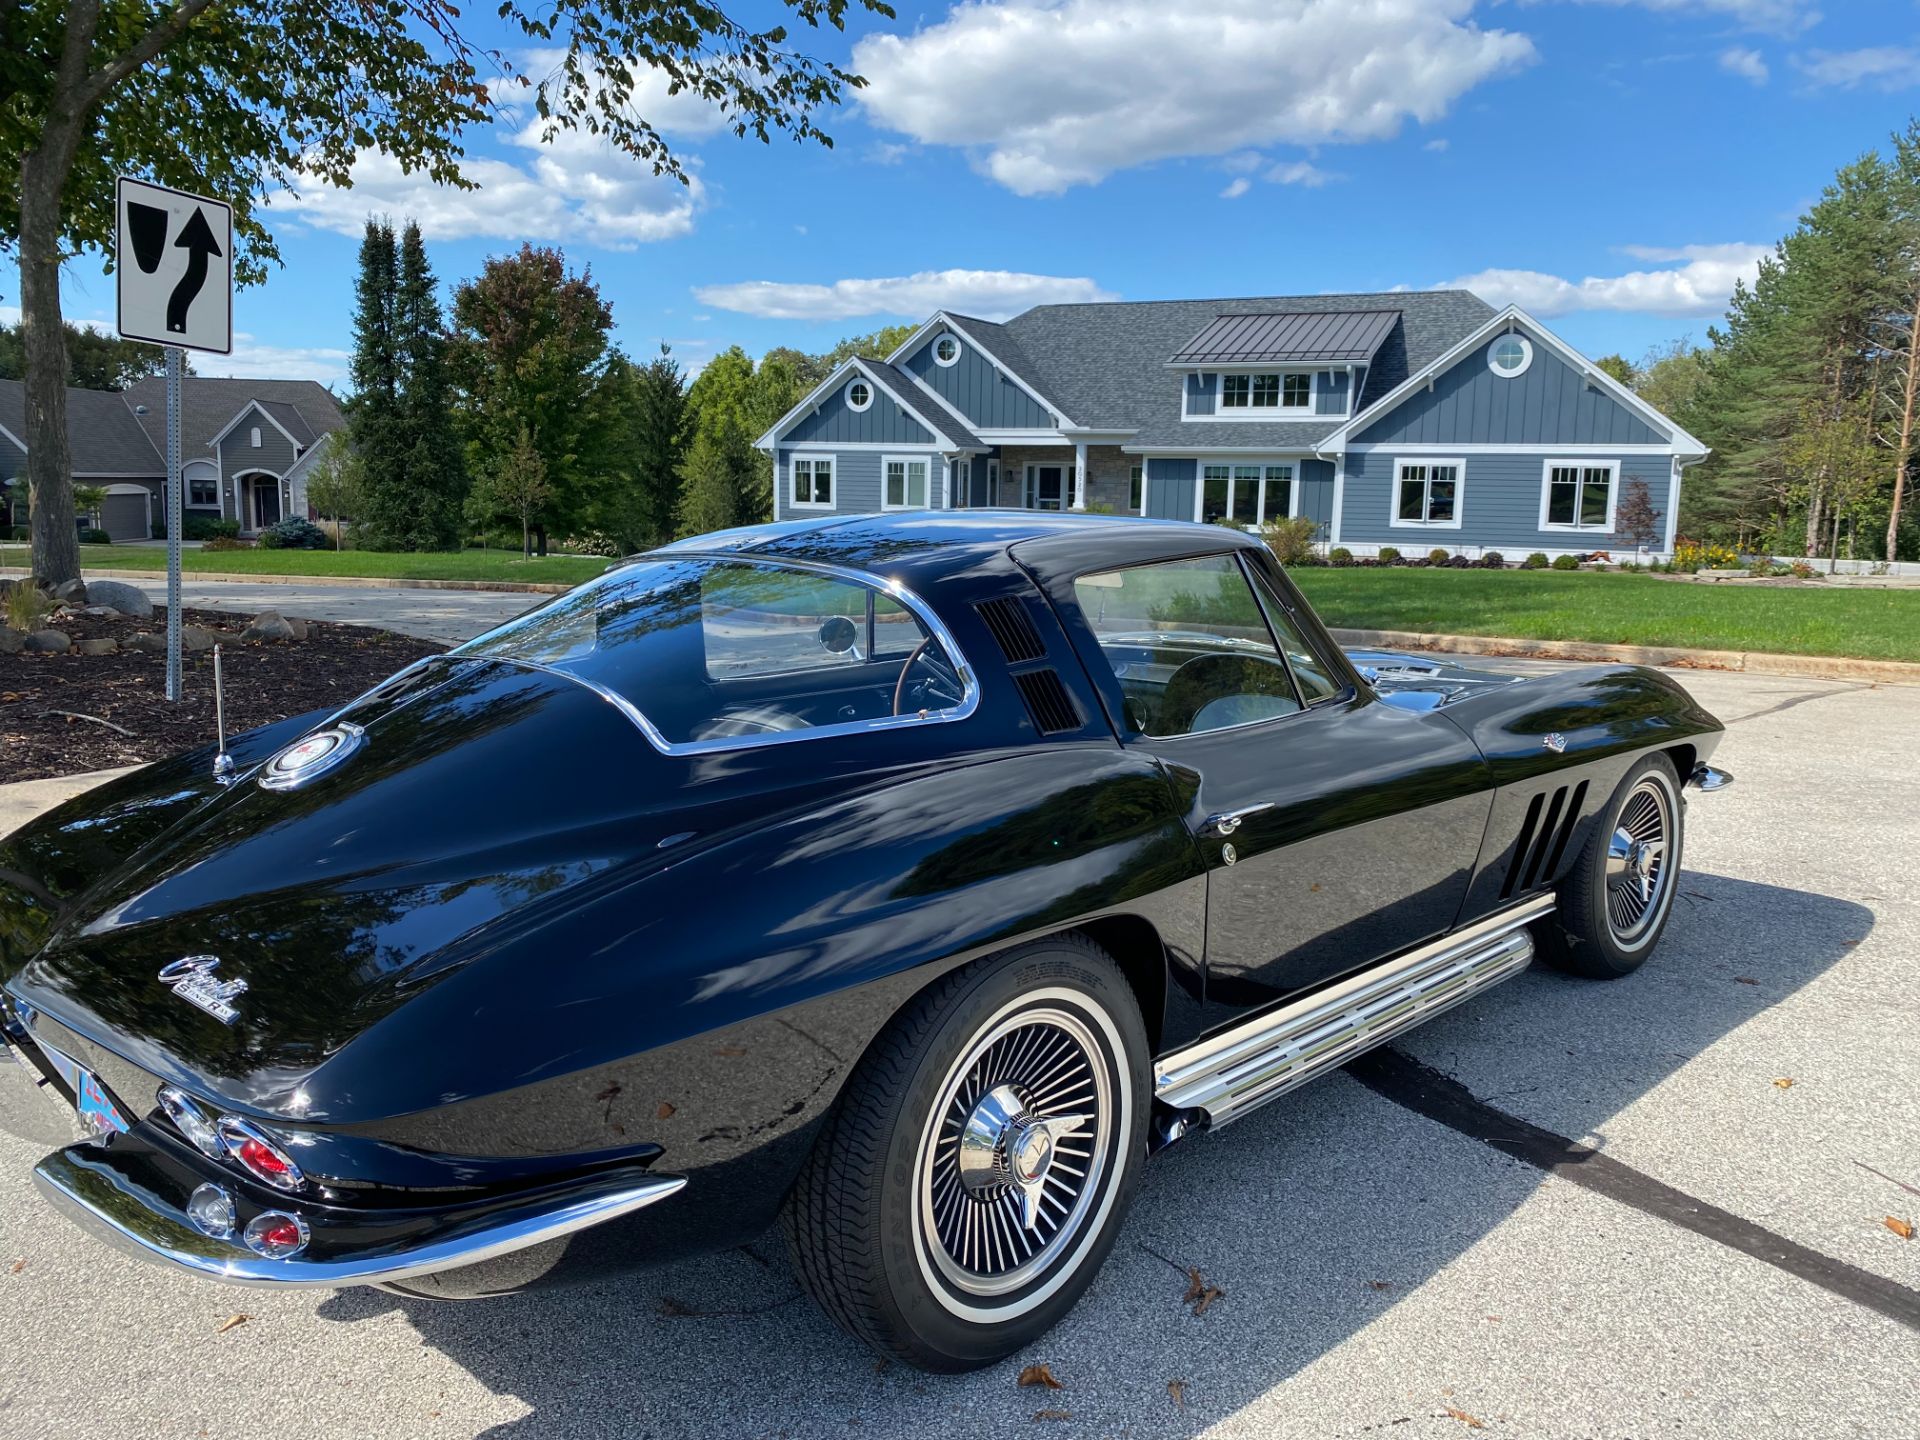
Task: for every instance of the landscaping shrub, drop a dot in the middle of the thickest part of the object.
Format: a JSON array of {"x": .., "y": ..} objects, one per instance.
[
  {"x": 1691, "y": 555},
  {"x": 26, "y": 606},
  {"x": 1459, "y": 562},
  {"x": 95, "y": 537},
  {"x": 201, "y": 527},
  {"x": 1388, "y": 554},
  {"x": 226, "y": 542},
  {"x": 22, "y": 533},
  {"x": 1536, "y": 561},
  {"x": 1802, "y": 570},
  {"x": 1437, "y": 556},
  {"x": 1340, "y": 555},
  {"x": 1291, "y": 540},
  {"x": 1493, "y": 560},
  {"x": 597, "y": 542},
  {"x": 1565, "y": 562},
  {"x": 293, "y": 533}
]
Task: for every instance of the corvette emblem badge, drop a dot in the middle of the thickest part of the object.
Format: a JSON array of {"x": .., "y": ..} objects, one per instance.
[
  {"x": 191, "y": 978},
  {"x": 1556, "y": 742}
]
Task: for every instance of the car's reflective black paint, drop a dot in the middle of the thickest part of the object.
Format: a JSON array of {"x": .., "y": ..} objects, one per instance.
[{"x": 511, "y": 945}]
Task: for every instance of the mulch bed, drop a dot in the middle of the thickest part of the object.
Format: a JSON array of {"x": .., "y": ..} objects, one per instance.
[{"x": 264, "y": 683}]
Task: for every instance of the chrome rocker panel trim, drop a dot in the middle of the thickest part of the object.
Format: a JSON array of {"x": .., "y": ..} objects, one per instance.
[
  {"x": 1231, "y": 1073},
  {"x": 148, "y": 1229}
]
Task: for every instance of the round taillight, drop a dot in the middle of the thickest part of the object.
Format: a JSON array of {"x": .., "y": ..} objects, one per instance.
[
  {"x": 259, "y": 1155},
  {"x": 276, "y": 1235},
  {"x": 191, "y": 1121},
  {"x": 211, "y": 1210}
]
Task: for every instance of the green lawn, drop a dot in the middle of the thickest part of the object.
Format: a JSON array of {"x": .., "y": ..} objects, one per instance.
[
  {"x": 457, "y": 565},
  {"x": 1627, "y": 609}
]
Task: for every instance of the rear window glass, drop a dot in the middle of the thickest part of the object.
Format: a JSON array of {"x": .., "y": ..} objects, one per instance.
[{"x": 716, "y": 653}]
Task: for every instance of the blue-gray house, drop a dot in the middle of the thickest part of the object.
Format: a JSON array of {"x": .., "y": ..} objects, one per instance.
[{"x": 1413, "y": 419}]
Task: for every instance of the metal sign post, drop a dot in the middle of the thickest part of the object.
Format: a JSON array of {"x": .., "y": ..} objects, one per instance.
[{"x": 173, "y": 261}]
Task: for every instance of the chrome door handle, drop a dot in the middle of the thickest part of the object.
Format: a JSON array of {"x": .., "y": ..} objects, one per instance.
[{"x": 1225, "y": 822}]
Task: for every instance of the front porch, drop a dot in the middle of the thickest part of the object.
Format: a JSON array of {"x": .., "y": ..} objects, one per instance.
[{"x": 1102, "y": 478}]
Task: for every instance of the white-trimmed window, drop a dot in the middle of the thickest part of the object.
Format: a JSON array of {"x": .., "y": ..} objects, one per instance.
[
  {"x": 203, "y": 492},
  {"x": 1578, "y": 494},
  {"x": 812, "y": 482},
  {"x": 1251, "y": 494},
  {"x": 253, "y": 437},
  {"x": 1510, "y": 355},
  {"x": 859, "y": 394},
  {"x": 1427, "y": 494},
  {"x": 946, "y": 350},
  {"x": 903, "y": 482},
  {"x": 1273, "y": 391},
  {"x": 1137, "y": 489}
]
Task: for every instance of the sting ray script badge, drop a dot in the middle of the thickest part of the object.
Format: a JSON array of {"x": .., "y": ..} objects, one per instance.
[{"x": 191, "y": 978}]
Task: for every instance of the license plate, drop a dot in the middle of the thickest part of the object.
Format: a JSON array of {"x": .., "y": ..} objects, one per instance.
[{"x": 97, "y": 1112}]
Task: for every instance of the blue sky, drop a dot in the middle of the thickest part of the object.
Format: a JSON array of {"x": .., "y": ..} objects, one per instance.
[{"x": 1609, "y": 164}]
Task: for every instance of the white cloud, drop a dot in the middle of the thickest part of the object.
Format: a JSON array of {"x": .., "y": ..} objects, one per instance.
[
  {"x": 1882, "y": 67},
  {"x": 1299, "y": 172},
  {"x": 650, "y": 99},
  {"x": 1698, "y": 280},
  {"x": 1438, "y": 146},
  {"x": 1747, "y": 64},
  {"x": 1218, "y": 79},
  {"x": 253, "y": 359},
  {"x": 1237, "y": 188},
  {"x": 1776, "y": 17},
  {"x": 990, "y": 294}
]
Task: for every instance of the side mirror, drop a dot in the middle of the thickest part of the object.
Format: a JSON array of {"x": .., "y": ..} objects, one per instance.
[{"x": 837, "y": 634}]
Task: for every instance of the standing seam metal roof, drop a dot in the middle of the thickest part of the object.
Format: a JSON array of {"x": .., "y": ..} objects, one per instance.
[{"x": 1337, "y": 336}]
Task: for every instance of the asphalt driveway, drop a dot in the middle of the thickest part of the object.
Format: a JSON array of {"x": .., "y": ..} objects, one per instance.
[{"x": 1723, "y": 1270}]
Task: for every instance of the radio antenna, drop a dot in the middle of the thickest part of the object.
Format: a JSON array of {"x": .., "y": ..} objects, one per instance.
[{"x": 222, "y": 762}]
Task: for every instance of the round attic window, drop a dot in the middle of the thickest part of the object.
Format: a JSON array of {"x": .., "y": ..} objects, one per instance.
[
  {"x": 946, "y": 350},
  {"x": 1510, "y": 355},
  {"x": 859, "y": 395}
]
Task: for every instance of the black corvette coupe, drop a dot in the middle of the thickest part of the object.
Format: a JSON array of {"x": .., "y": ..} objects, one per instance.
[{"x": 910, "y": 879}]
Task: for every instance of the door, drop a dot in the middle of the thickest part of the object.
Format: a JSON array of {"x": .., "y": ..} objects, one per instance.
[
  {"x": 266, "y": 503},
  {"x": 1046, "y": 487},
  {"x": 1336, "y": 829}
]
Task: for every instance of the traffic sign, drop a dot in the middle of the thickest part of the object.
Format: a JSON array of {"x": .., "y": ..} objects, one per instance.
[{"x": 173, "y": 257}]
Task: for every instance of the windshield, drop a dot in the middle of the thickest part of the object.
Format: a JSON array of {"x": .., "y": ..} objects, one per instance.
[{"x": 715, "y": 653}]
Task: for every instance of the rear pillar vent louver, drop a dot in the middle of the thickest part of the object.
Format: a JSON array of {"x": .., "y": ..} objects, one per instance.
[
  {"x": 1543, "y": 839},
  {"x": 1049, "y": 703}
]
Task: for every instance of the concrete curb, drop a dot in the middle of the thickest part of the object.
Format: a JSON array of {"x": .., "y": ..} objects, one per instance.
[
  {"x": 344, "y": 582},
  {"x": 1754, "y": 662}
]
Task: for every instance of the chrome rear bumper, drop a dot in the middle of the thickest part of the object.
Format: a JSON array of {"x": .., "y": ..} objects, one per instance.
[{"x": 84, "y": 1183}]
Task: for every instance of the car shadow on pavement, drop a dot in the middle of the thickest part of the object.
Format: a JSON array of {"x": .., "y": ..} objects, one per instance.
[{"x": 1314, "y": 1216}]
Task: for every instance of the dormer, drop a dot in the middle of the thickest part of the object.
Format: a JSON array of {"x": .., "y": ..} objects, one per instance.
[{"x": 1292, "y": 365}]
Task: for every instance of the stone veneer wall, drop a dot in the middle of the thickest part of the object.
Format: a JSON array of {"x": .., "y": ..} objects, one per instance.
[{"x": 1108, "y": 480}]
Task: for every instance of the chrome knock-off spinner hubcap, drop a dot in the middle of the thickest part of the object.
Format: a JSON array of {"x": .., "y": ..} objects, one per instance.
[
  {"x": 1637, "y": 870},
  {"x": 1002, "y": 1145}
]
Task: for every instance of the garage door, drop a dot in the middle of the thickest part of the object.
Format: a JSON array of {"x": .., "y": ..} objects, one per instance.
[{"x": 124, "y": 517}]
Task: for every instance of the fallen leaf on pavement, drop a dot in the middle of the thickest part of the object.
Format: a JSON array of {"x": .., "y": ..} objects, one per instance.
[
  {"x": 1039, "y": 1375},
  {"x": 232, "y": 1322},
  {"x": 18, "y": 1266},
  {"x": 1178, "y": 1390},
  {"x": 1472, "y": 1422},
  {"x": 1053, "y": 1414},
  {"x": 1745, "y": 980},
  {"x": 1207, "y": 1297},
  {"x": 1902, "y": 1228},
  {"x": 1783, "y": 1083},
  {"x": 1200, "y": 1294},
  {"x": 1379, "y": 1284},
  {"x": 665, "y": 1112}
]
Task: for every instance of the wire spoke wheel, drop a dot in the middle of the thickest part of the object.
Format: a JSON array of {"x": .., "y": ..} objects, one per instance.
[
  {"x": 1017, "y": 1151},
  {"x": 1636, "y": 869}
]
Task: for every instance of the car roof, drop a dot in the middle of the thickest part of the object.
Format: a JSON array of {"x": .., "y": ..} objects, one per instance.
[{"x": 921, "y": 547}]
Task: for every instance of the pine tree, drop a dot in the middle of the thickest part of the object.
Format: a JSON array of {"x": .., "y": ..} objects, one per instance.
[
  {"x": 436, "y": 479},
  {"x": 373, "y": 413},
  {"x": 709, "y": 488}
]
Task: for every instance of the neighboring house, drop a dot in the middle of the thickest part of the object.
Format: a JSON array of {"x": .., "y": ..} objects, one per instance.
[
  {"x": 1413, "y": 419},
  {"x": 245, "y": 449}
]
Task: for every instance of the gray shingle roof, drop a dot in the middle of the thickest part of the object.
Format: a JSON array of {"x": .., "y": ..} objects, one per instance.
[
  {"x": 1344, "y": 337},
  {"x": 906, "y": 388},
  {"x": 1106, "y": 364},
  {"x": 208, "y": 403},
  {"x": 105, "y": 434}
]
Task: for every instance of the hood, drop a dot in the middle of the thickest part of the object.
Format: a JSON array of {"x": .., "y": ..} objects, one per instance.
[
  {"x": 1424, "y": 682},
  {"x": 467, "y": 799}
]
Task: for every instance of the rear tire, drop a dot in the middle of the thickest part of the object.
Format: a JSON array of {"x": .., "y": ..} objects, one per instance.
[
  {"x": 971, "y": 1180},
  {"x": 1615, "y": 901}
]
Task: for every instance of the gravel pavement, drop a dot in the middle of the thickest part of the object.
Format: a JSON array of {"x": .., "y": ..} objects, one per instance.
[{"x": 1383, "y": 1274}]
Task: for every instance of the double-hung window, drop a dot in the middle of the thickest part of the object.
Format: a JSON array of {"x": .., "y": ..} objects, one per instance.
[
  {"x": 1578, "y": 495},
  {"x": 1428, "y": 493},
  {"x": 1296, "y": 392},
  {"x": 813, "y": 482},
  {"x": 1266, "y": 392},
  {"x": 905, "y": 483}
]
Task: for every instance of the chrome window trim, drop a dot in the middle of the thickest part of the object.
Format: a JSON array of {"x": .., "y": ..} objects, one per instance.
[{"x": 893, "y": 589}]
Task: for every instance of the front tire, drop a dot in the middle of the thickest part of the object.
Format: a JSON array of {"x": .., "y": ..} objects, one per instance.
[
  {"x": 1615, "y": 901},
  {"x": 974, "y": 1174}
]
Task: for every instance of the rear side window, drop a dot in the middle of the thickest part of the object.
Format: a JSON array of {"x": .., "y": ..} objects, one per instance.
[
  {"x": 710, "y": 653},
  {"x": 1188, "y": 644}
]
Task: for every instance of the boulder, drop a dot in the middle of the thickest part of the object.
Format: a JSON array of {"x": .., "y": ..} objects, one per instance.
[
  {"x": 11, "y": 641},
  {"x": 93, "y": 612},
  {"x": 71, "y": 592},
  {"x": 105, "y": 645},
  {"x": 299, "y": 628},
  {"x": 192, "y": 637},
  {"x": 268, "y": 625},
  {"x": 127, "y": 599},
  {"x": 149, "y": 644},
  {"x": 49, "y": 642}
]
